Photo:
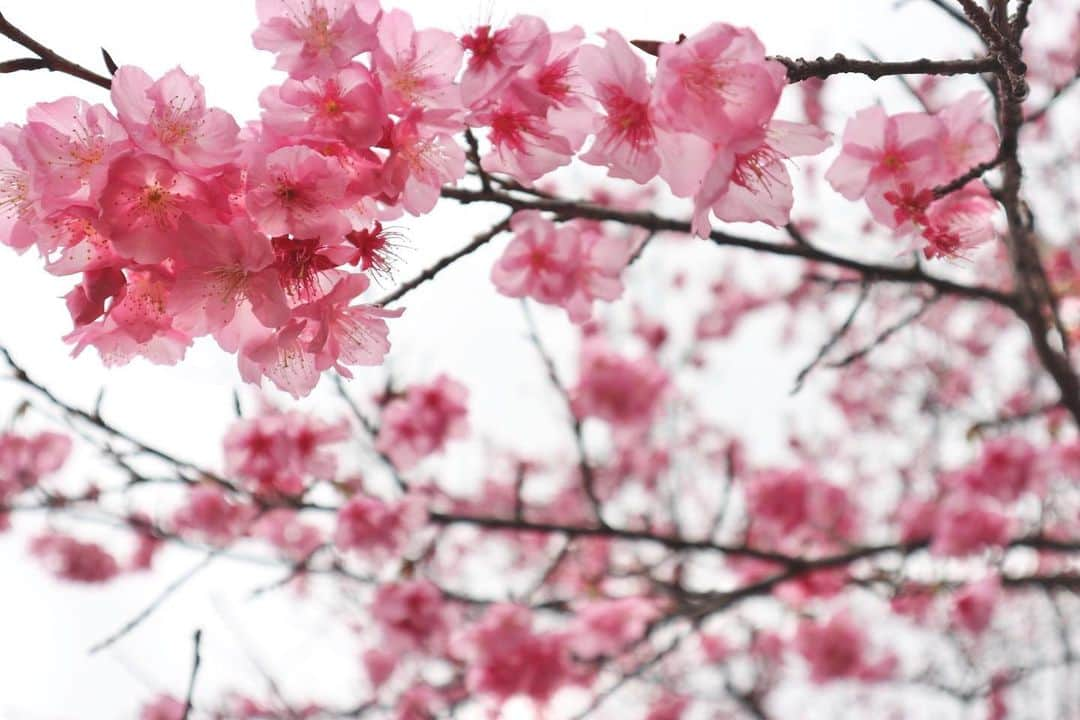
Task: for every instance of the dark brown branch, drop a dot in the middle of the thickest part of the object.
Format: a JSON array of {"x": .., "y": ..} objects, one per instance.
[
  {"x": 16, "y": 65},
  {"x": 195, "y": 663},
  {"x": 97, "y": 421},
  {"x": 49, "y": 59},
  {"x": 885, "y": 334},
  {"x": 799, "y": 69},
  {"x": 674, "y": 543},
  {"x": 566, "y": 209},
  {"x": 864, "y": 291},
  {"x": 588, "y": 477}
]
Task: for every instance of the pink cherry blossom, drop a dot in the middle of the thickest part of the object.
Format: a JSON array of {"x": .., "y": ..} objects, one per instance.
[
  {"x": 421, "y": 161},
  {"x": 973, "y": 605},
  {"x": 315, "y": 37},
  {"x": 137, "y": 324},
  {"x": 26, "y": 459},
  {"x": 626, "y": 139},
  {"x": 72, "y": 144},
  {"x": 508, "y": 658},
  {"x": 601, "y": 258},
  {"x": 144, "y": 202},
  {"x": 223, "y": 267},
  {"x": 345, "y": 106},
  {"x": 412, "y": 615},
  {"x": 163, "y": 707},
  {"x": 423, "y": 421},
  {"x": 881, "y": 151},
  {"x": 540, "y": 260},
  {"x": 281, "y": 451},
  {"x": 297, "y": 191},
  {"x": 1006, "y": 469},
  {"x": 524, "y": 144},
  {"x": 608, "y": 627},
  {"x": 495, "y": 55},
  {"x": 169, "y": 118},
  {"x": 966, "y": 524},
  {"x": 375, "y": 527},
  {"x": 625, "y": 392},
  {"x": 969, "y": 139},
  {"x": 342, "y": 334},
  {"x": 837, "y": 649},
  {"x": 209, "y": 514},
  {"x": 760, "y": 187},
  {"x": 71, "y": 559},
  {"x": 717, "y": 84},
  {"x": 416, "y": 68},
  {"x": 18, "y": 206}
]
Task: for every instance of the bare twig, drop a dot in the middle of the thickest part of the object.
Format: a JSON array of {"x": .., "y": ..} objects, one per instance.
[{"x": 196, "y": 661}]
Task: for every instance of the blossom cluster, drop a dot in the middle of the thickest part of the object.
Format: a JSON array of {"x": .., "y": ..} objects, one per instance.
[
  {"x": 180, "y": 223},
  {"x": 895, "y": 163}
]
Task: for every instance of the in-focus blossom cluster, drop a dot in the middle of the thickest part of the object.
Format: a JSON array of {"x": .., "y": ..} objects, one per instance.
[
  {"x": 895, "y": 162},
  {"x": 179, "y": 223}
]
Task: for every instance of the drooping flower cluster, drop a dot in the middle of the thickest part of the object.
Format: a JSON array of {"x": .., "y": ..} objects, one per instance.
[{"x": 895, "y": 162}]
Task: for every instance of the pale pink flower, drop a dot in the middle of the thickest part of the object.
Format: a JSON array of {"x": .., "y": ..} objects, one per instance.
[
  {"x": 345, "y": 106},
  {"x": 72, "y": 144},
  {"x": 837, "y": 649},
  {"x": 282, "y": 451},
  {"x": 421, "y": 161},
  {"x": 18, "y": 207},
  {"x": 495, "y": 56},
  {"x": 717, "y": 84},
  {"x": 282, "y": 357},
  {"x": 285, "y": 530},
  {"x": 221, "y": 268},
  {"x": 539, "y": 261},
  {"x": 211, "y": 515},
  {"x": 966, "y": 524},
  {"x": 627, "y": 393},
  {"x": 969, "y": 139},
  {"x": 973, "y": 605},
  {"x": 137, "y": 324},
  {"x": 626, "y": 139},
  {"x": 1006, "y": 469},
  {"x": 416, "y": 68},
  {"x": 144, "y": 202},
  {"x": 524, "y": 144},
  {"x": 610, "y": 627},
  {"x": 70, "y": 559},
  {"x": 760, "y": 187},
  {"x": 315, "y": 37},
  {"x": 341, "y": 334},
  {"x": 169, "y": 118},
  {"x": 163, "y": 707},
  {"x": 508, "y": 658},
  {"x": 601, "y": 258},
  {"x": 297, "y": 191},
  {"x": 879, "y": 152},
  {"x": 423, "y": 421},
  {"x": 26, "y": 459},
  {"x": 377, "y": 528},
  {"x": 412, "y": 615}
]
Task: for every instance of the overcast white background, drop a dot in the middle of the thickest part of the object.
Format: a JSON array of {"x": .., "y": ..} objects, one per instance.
[{"x": 457, "y": 324}]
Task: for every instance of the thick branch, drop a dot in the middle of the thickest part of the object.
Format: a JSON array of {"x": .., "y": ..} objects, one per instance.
[
  {"x": 799, "y": 69},
  {"x": 50, "y": 59},
  {"x": 567, "y": 209}
]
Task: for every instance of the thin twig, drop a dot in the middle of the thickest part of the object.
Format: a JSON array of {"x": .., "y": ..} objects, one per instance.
[{"x": 196, "y": 662}]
